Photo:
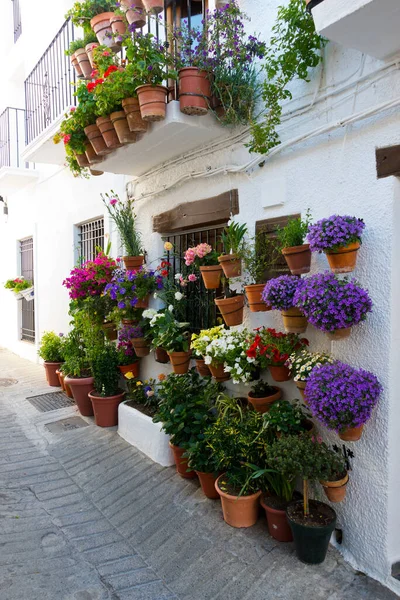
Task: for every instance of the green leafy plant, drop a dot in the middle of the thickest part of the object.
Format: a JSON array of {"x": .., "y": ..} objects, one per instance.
[
  {"x": 51, "y": 348},
  {"x": 117, "y": 86},
  {"x": 82, "y": 12},
  {"x": 166, "y": 332},
  {"x": 262, "y": 389},
  {"x": 259, "y": 256},
  {"x": 76, "y": 361},
  {"x": 232, "y": 237},
  {"x": 104, "y": 364},
  {"x": 150, "y": 60},
  {"x": 201, "y": 458},
  {"x": 122, "y": 213},
  {"x": 286, "y": 417},
  {"x": 295, "y": 232},
  {"x": 74, "y": 46},
  {"x": 18, "y": 284}
]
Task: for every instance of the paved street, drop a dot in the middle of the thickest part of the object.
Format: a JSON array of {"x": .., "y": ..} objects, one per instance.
[{"x": 84, "y": 516}]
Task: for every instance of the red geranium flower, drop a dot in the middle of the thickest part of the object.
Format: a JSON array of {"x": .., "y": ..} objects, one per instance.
[{"x": 110, "y": 70}]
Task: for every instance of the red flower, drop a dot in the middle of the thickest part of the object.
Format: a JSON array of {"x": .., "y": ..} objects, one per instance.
[
  {"x": 165, "y": 263},
  {"x": 164, "y": 273},
  {"x": 67, "y": 138},
  {"x": 110, "y": 70},
  {"x": 90, "y": 87}
]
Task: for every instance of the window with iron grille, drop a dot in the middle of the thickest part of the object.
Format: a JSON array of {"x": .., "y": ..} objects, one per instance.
[
  {"x": 90, "y": 237},
  {"x": 27, "y": 308},
  {"x": 17, "y": 20},
  {"x": 269, "y": 228}
]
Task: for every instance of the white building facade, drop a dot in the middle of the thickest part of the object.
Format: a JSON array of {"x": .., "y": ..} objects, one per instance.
[{"x": 326, "y": 162}]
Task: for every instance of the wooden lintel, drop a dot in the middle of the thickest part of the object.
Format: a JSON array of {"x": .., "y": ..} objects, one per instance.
[{"x": 388, "y": 161}]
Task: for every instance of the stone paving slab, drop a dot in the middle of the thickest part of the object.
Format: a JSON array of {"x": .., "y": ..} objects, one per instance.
[{"x": 85, "y": 516}]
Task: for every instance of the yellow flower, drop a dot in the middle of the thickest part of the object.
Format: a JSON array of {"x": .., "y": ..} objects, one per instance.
[
  {"x": 168, "y": 246},
  {"x": 139, "y": 383},
  {"x": 129, "y": 375}
]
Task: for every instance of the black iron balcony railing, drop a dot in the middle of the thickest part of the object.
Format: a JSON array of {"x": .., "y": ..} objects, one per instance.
[
  {"x": 17, "y": 19},
  {"x": 12, "y": 137}
]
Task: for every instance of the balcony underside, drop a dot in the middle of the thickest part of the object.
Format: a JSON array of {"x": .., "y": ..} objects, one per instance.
[{"x": 13, "y": 179}]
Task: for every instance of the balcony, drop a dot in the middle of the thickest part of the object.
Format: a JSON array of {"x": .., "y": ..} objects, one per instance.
[{"x": 370, "y": 26}]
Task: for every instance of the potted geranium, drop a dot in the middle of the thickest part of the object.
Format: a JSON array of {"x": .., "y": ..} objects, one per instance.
[
  {"x": 106, "y": 395},
  {"x": 302, "y": 363},
  {"x": 201, "y": 459},
  {"x": 174, "y": 337},
  {"x": 331, "y": 304},
  {"x": 258, "y": 258},
  {"x": 206, "y": 259},
  {"x": 77, "y": 371},
  {"x": 262, "y": 396},
  {"x": 127, "y": 361},
  {"x": 340, "y": 238},
  {"x": 279, "y": 294},
  {"x": 51, "y": 350},
  {"x": 272, "y": 348},
  {"x": 342, "y": 398},
  {"x": 291, "y": 238},
  {"x": 123, "y": 215},
  {"x": 233, "y": 242}
]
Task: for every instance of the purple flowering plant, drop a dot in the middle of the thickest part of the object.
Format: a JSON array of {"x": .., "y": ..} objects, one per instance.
[
  {"x": 341, "y": 396},
  {"x": 279, "y": 292},
  {"x": 334, "y": 233},
  {"x": 330, "y": 303},
  {"x": 125, "y": 348},
  {"x": 151, "y": 61}
]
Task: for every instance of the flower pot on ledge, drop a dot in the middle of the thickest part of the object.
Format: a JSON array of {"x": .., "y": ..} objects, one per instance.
[
  {"x": 217, "y": 371},
  {"x": 180, "y": 362},
  {"x": 202, "y": 368},
  {"x": 89, "y": 51},
  {"x": 135, "y": 13},
  {"x": 344, "y": 259},
  {"x": 352, "y": 434},
  {"x": 262, "y": 405},
  {"x": 83, "y": 62},
  {"x": 336, "y": 490},
  {"x": 75, "y": 64},
  {"x": 133, "y": 262},
  {"x": 194, "y": 91},
  {"x": 254, "y": 299},
  {"x": 294, "y": 321},
  {"x": 132, "y": 368},
  {"x": 108, "y": 132},
  {"x": 125, "y": 135},
  {"x": 132, "y": 110},
  {"x": 141, "y": 347},
  {"x": 152, "y": 102},
  {"x": 95, "y": 137},
  {"x": 231, "y": 265},
  {"x": 279, "y": 373},
  {"x": 101, "y": 25}
]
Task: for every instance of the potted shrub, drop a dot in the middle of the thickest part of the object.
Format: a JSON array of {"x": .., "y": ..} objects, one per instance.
[
  {"x": 206, "y": 259},
  {"x": 257, "y": 258},
  {"x": 340, "y": 238},
  {"x": 331, "y": 304},
  {"x": 301, "y": 365},
  {"x": 262, "y": 396},
  {"x": 174, "y": 337},
  {"x": 291, "y": 238},
  {"x": 122, "y": 213},
  {"x": 233, "y": 241},
  {"x": 201, "y": 460},
  {"x": 127, "y": 361},
  {"x": 279, "y": 294},
  {"x": 342, "y": 398},
  {"x": 106, "y": 395},
  {"x": 77, "y": 371},
  {"x": 51, "y": 350},
  {"x": 185, "y": 410},
  {"x": 287, "y": 418}
]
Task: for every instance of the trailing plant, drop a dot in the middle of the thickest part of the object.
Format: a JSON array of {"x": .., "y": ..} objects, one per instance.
[
  {"x": 302, "y": 364},
  {"x": 123, "y": 215},
  {"x": 295, "y": 232},
  {"x": 334, "y": 233},
  {"x": 279, "y": 292},
  {"x": 104, "y": 364},
  {"x": 232, "y": 238},
  {"x": 51, "y": 347}
]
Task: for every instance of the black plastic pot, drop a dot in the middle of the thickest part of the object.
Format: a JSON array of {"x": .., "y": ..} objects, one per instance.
[{"x": 311, "y": 542}]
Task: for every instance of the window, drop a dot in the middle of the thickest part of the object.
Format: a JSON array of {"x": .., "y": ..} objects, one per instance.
[
  {"x": 27, "y": 308},
  {"x": 17, "y": 20},
  {"x": 90, "y": 237},
  {"x": 269, "y": 228}
]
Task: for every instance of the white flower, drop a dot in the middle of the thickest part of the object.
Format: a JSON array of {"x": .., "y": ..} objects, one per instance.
[
  {"x": 208, "y": 360},
  {"x": 171, "y": 308},
  {"x": 251, "y": 360},
  {"x": 237, "y": 360},
  {"x": 243, "y": 353},
  {"x": 231, "y": 347},
  {"x": 155, "y": 295},
  {"x": 178, "y": 276},
  {"x": 239, "y": 370},
  {"x": 227, "y": 369},
  {"x": 178, "y": 296},
  {"x": 149, "y": 313}
]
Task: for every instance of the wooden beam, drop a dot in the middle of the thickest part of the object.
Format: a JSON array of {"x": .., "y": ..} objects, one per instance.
[
  {"x": 211, "y": 211},
  {"x": 388, "y": 161}
]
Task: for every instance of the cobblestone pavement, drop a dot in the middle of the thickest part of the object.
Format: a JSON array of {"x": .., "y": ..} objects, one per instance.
[{"x": 84, "y": 516}]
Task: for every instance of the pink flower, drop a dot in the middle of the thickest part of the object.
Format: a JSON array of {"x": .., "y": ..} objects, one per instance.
[
  {"x": 106, "y": 53},
  {"x": 192, "y": 277},
  {"x": 190, "y": 256},
  {"x": 202, "y": 250},
  {"x": 113, "y": 201},
  {"x": 73, "y": 109},
  {"x": 67, "y": 138}
]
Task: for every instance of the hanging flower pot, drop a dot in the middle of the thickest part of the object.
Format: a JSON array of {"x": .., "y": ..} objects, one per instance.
[
  {"x": 133, "y": 262},
  {"x": 231, "y": 265},
  {"x": 217, "y": 371},
  {"x": 144, "y": 302},
  {"x": 51, "y": 369},
  {"x": 211, "y": 276},
  {"x": 89, "y": 51},
  {"x": 76, "y": 65},
  {"x": 301, "y": 385},
  {"x": 298, "y": 259},
  {"x": 294, "y": 321},
  {"x": 96, "y": 173},
  {"x": 238, "y": 511},
  {"x": 339, "y": 236},
  {"x": 180, "y": 362},
  {"x": 130, "y": 322},
  {"x": 344, "y": 259},
  {"x": 278, "y": 526},
  {"x": 118, "y": 27},
  {"x": 91, "y": 155},
  {"x": 207, "y": 482},
  {"x": 161, "y": 356},
  {"x": 231, "y": 309},
  {"x": 106, "y": 409},
  {"x": 95, "y": 137},
  {"x": 194, "y": 91},
  {"x": 135, "y": 13},
  {"x": 82, "y": 160},
  {"x": 339, "y": 334},
  {"x": 336, "y": 490},
  {"x": 101, "y": 25},
  {"x": 125, "y": 135},
  {"x": 134, "y": 118},
  {"x": 81, "y": 387},
  {"x": 202, "y": 368},
  {"x": 181, "y": 462},
  {"x": 141, "y": 346},
  {"x": 352, "y": 434},
  {"x": 154, "y": 6},
  {"x": 279, "y": 372},
  {"x": 108, "y": 132},
  {"x": 253, "y": 293},
  {"x": 110, "y": 331},
  {"x": 83, "y": 61},
  {"x": 262, "y": 405},
  {"x": 132, "y": 368},
  {"x": 152, "y": 101}
]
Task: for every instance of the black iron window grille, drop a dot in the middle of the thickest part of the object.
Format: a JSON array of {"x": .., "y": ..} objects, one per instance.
[
  {"x": 12, "y": 137},
  {"x": 90, "y": 238},
  {"x": 27, "y": 308},
  {"x": 17, "y": 20}
]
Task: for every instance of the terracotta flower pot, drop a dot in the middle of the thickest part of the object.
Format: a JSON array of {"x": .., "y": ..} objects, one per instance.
[
  {"x": 51, "y": 369},
  {"x": 180, "y": 362},
  {"x": 298, "y": 259},
  {"x": 211, "y": 276},
  {"x": 96, "y": 173},
  {"x": 125, "y": 135},
  {"x": 141, "y": 346},
  {"x": 76, "y": 65},
  {"x": 106, "y": 409},
  {"x": 231, "y": 265},
  {"x": 154, "y": 6},
  {"x": 110, "y": 331},
  {"x": 207, "y": 482},
  {"x": 89, "y": 51},
  {"x": 301, "y": 385},
  {"x": 131, "y": 322},
  {"x": 194, "y": 91},
  {"x": 352, "y": 434},
  {"x": 95, "y": 137},
  {"x": 84, "y": 63},
  {"x": 238, "y": 512},
  {"x": 181, "y": 462},
  {"x": 253, "y": 293},
  {"x": 339, "y": 334},
  {"x": 335, "y": 490},
  {"x": 161, "y": 356},
  {"x": 344, "y": 259},
  {"x": 101, "y": 25},
  {"x": 60, "y": 379},
  {"x": 152, "y": 101},
  {"x": 294, "y": 321},
  {"x": 202, "y": 368},
  {"x": 279, "y": 372},
  {"x": 135, "y": 13},
  {"x": 132, "y": 368},
  {"x": 278, "y": 525},
  {"x": 82, "y": 160},
  {"x": 81, "y": 387},
  {"x": 231, "y": 309},
  {"x": 262, "y": 405},
  {"x": 217, "y": 371},
  {"x": 108, "y": 132},
  {"x": 68, "y": 389},
  {"x": 133, "y": 262},
  {"x": 132, "y": 111},
  {"x": 91, "y": 155},
  {"x": 118, "y": 27},
  {"x": 144, "y": 302}
]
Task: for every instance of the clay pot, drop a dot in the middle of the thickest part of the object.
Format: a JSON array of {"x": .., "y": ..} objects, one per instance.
[
  {"x": 207, "y": 482},
  {"x": 278, "y": 526},
  {"x": 96, "y": 173},
  {"x": 161, "y": 356},
  {"x": 181, "y": 462},
  {"x": 194, "y": 91},
  {"x": 132, "y": 111},
  {"x": 238, "y": 512},
  {"x": 231, "y": 309},
  {"x": 141, "y": 347},
  {"x": 80, "y": 387},
  {"x": 152, "y": 101},
  {"x": 352, "y": 434},
  {"x": 67, "y": 389},
  {"x": 83, "y": 61},
  {"x": 339, "y": 334},
  {"x": 301, "y": 385},
  {"x": 75, "y": 64},
  {"x": 89, "y": 51},
  {"x": 298, "y": 259},
  {"x": 143, "y": 303},
  {"x": 106, "y": 409},
  {"x": 133, "y": 262},
  {"x": 91, "y": 155},
  {"x": 125, "y": 136},
  {"x": 154, "y": 6},
  {"x": 101, "y": 25},
  {"x": 344, "y": 259},
  {"x": 108, "y": 132},
  {"x": 110, "y": 331},
  {"x": 51, "y": 369},
  {"x": 335, "y": 490},
  {"x": 60, "y": 379},
  {"x": 118, "y": 27},
  {"x": 132, "y": 368},
  {"x": 180, "y": 362},
  {"x": 211, "y": 276},
  {"x": 202, "y": 368},
  {"x": 279, "y": 373},
  {"x": 231, "y": 265},
  {"x": 82, "y": 160},
  {"x": 135, "y": 13},
  {"x": 95, "y": 137},
  {"x": 217, "y": 371},
  {"x": 294, "y": 321},
  {"x": 262, "y": 405},
  {"x": 253, "y": 293},
  {"x": 131, "y": 322}
]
